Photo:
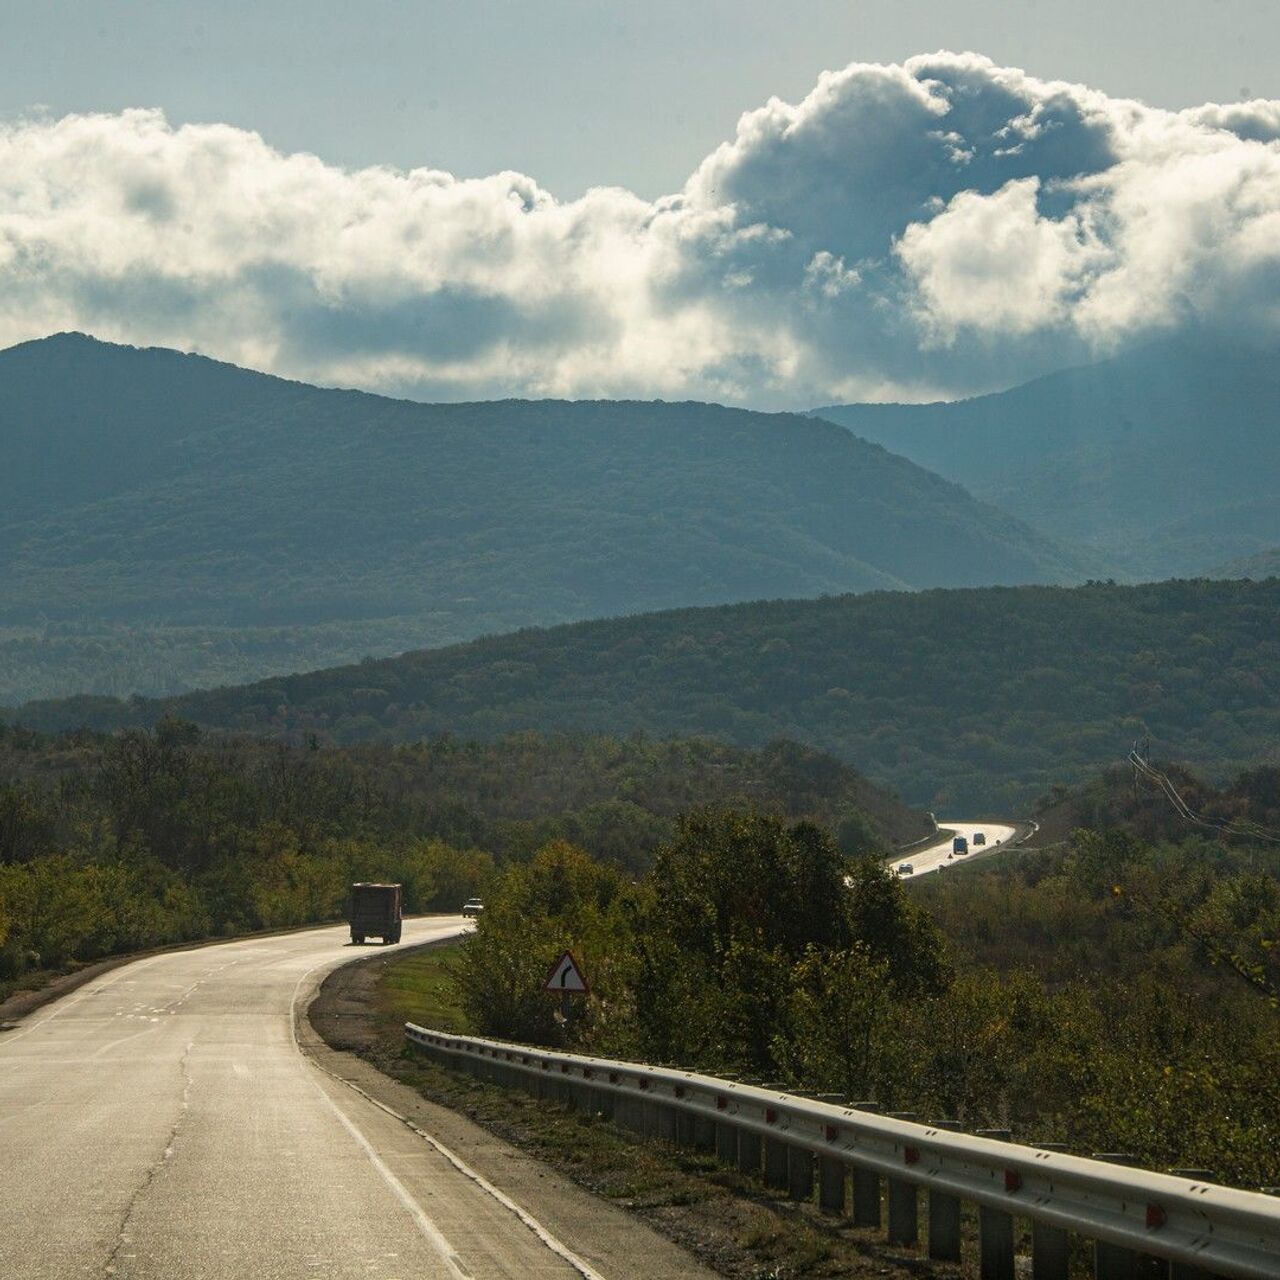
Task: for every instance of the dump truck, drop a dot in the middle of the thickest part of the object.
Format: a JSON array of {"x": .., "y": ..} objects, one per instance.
[{"x": 375, "y": 912}]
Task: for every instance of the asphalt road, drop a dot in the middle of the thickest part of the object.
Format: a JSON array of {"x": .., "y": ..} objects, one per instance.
[
  {"x": 938, "y": 856},
  {"x": 162, "y": 1122}
]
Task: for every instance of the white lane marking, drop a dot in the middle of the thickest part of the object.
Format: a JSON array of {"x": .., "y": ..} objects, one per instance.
[
  {"x": 561, "y": 1250},
  {"x": 579, "y": 1264},
  {"x": 430, "y": 1232}
]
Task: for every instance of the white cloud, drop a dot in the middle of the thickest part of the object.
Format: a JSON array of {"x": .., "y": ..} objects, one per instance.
[{"x": 943, "y": 225}]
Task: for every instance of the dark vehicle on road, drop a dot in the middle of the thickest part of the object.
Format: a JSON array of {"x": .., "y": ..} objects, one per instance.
[
  {"x": 959, "y": 845},
  {"x": 375, "y": 911},
  {"x": 979, "y": 837}
]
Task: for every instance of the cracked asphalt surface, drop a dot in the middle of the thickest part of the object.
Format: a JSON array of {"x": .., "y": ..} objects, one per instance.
[{"x": 163, "y": 1122}]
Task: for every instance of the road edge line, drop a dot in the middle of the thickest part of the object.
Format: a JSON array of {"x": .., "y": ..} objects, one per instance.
[{"x": 550, "y": 1241}]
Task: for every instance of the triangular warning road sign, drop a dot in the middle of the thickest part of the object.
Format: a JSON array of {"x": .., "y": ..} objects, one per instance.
[{"x": 566, "y": 976}]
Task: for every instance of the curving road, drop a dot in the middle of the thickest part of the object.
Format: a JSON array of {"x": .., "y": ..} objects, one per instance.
[
  {"x": 163, "y": 1122},
  {"x": 938, "y": 857}
]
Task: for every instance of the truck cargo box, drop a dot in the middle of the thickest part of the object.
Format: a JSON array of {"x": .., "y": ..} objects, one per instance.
[{"x": 375, "y": 912}]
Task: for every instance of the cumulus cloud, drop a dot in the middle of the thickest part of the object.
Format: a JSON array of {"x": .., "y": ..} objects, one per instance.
[{"x": 937, "y": 227}]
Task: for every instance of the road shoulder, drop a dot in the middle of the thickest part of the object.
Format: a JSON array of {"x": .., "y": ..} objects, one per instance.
[{"x": 615, "y": 1242}]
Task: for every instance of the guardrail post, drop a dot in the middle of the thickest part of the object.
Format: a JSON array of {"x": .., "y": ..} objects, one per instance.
[
  {"x": 1050, "y": 1246},
  {"x": 1113, "y": 1261},
  {"x": 750, "y": 1153},
  {"x": 831, "y": 1185},
  {"x": 944, "y": 1215},
  {"x": 776, "y": 1172},
  {"x": 904, "y": 1212},
  {"x": 627, "y": 1113},
  {"x": 726, "y": 1141},
  {"x": 865, "y": 1191},
  {"x": 829, "y": 1170},
  {"x": 1186, "y": 1270},
  {"x": 995, "y": 1230},
  {"x": 684, "y": 1129},
  {"x": 651, "y": 1118},
  {"x": 667, "y": 1123},
  {"x": 606, "y": 1104},
  {"x": 904, "y": 1199},
  {"x": 704, "y": 1133},
  {"x": 799, "y": 1173}
]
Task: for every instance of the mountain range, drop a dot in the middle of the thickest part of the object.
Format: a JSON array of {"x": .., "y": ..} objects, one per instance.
[
  {"x": 1163, "y": 462},
  {"x": 168, "y": 521}
]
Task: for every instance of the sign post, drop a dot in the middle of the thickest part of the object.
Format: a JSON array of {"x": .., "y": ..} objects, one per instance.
[{"x": 566, "y": 979}]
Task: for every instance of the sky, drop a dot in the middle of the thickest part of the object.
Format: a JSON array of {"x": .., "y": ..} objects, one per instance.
[{"x": 756, "y": 203}]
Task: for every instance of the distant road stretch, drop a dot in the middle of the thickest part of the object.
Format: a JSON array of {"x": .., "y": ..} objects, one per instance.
[
  {"x": 937, "y": 856},
  {"x": 162, "y": 1122}
]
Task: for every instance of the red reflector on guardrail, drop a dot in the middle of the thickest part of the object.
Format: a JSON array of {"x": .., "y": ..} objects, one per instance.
[
  {"x": 911, "y": 1155},
  {"x": 770, "y": 1116},
  {"x": 831, "y": 1133},
  {"x": 1156, "y": 1217},
  {"x": 721, "y": 1102},
  {"x": 1012, "y": 1180}
]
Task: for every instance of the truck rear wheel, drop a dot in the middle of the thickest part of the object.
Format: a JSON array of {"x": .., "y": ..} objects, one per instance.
[{"x": 357, "y": 939}]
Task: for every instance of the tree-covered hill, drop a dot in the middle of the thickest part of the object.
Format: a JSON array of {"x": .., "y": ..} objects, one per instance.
[
  {"x": 113, "y": 842},
  {"x": 955, "y": 698},
  {"x": 167, "y": 521},
  {"x": 1165, "y": 460}
]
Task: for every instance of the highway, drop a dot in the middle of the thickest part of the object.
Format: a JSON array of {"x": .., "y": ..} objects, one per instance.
[
  {"x": 162, "y": 1122},
  {"x": 937, "y": 856}
]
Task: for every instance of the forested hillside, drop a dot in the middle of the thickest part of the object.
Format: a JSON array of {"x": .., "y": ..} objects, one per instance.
[
  {"x": 1107, "y": 993},
  {"x": 111, "y": 843},
  {"x": 958, "y": 699},
  {"x": 1163, "y": 461},
  {"x": 167, "y": 521}
]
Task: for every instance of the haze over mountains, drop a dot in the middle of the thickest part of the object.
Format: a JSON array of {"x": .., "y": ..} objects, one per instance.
[
  {"x": 170, "y": 521},
  {"x": 1164, "y": 461}
]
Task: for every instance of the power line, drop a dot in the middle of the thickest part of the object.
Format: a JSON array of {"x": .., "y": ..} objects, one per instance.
[{"x": 1234, "y": 827}]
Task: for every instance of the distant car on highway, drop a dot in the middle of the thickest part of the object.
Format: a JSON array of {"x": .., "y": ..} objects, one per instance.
[
  {"x": 979, "y": 837},
  {"x": 472, "y": 907},
  {"x": 959, "y": 845},
  {"x": 905, "y": 869}
]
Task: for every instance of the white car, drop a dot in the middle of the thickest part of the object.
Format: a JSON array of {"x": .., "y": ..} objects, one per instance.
[
  {"x": 472, "y": 907},
  {"x": 905, "y": 869}
]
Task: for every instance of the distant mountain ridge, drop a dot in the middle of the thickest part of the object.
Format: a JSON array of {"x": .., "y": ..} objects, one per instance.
[
  {"x": 1165, "y": 461},
  {"x": 184, "y": 507},
  {"x": 978, "y": 699},
  {"x": 1266, "y": 564}
]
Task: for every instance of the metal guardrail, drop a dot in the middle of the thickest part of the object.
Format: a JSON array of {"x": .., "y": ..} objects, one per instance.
[{"x": 1200, "y": 1229}]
